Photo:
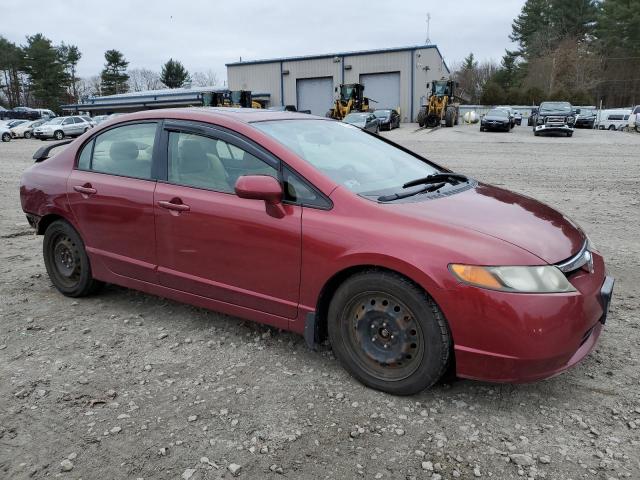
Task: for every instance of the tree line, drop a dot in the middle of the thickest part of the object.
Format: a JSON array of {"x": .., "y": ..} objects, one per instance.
[
  {"x": 583, "y": 51},
  {"x": 40, "y": 74}
]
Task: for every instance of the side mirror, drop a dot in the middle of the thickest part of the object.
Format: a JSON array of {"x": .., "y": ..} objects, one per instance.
[{"x": 259, "y": 187}]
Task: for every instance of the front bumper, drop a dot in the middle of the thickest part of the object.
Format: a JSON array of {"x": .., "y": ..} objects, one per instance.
[
  {"x": 43, "y": 134},
  {"x": 520, "y": 338},
  {"x": 544, "y": 128},
  {"x": 495, "y": 126}
]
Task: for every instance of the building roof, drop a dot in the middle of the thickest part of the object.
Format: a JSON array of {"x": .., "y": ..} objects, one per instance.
[
  {"x": 339, "y": 54},
  {"x": 163, "y": 97}
]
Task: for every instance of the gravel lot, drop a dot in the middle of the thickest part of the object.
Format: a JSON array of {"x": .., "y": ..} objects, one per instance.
[{"x": 127, "y": 385}]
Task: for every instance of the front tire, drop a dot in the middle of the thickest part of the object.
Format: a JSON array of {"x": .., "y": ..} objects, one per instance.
[
  {"x": 67, "y": 262},
  {"x": 6, "y": 137},
  {"x": 27, "y": 135},
  {"x": 388, "y": 333},
  {"x": 58, "y": 135}
]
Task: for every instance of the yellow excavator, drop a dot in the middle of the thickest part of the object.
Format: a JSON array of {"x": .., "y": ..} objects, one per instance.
[
  {"x": 441, "y": 107},
  {"x": 351, "y": 99}
]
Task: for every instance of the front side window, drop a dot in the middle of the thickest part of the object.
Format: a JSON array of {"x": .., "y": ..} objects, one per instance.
[
  {"x": 357, "y": 160},
  {"x": 67, "y": 121},
  {"x": 209, "y": 163},
  {"x": 125, "y": 151}
]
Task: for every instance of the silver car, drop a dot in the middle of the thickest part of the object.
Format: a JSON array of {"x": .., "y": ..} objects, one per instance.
[
  {"x": 61, "y": 127},
  {"x": 364, "y": 120}
]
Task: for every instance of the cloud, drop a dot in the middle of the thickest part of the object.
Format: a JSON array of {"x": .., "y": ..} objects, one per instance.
[{"x": 204, "y": 35}]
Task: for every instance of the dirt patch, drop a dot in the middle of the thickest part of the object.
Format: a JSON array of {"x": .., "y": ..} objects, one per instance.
[{"x": 127, "y": 385}]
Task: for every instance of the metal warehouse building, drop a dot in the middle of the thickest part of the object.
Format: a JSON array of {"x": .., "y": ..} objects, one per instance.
[{"x": 393, "y": 77}]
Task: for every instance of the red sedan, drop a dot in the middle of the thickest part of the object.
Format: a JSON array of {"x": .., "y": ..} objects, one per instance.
[{"x": 318, "y": 227}]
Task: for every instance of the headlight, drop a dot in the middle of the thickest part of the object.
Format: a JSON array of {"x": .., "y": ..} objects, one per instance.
[
  {"x": 542, "y": 279},
  {"x": 540, "y": 121}
]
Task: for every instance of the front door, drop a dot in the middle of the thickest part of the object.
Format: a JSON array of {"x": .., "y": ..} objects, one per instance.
[
  {"x": 214, "y": 244},
  {"x": 111, "y": 196}
]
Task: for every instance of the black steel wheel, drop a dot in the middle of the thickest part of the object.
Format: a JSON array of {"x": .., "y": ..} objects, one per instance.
[
  {"x": 388, "y": 333},
  {"x": 67, "y": 262}
]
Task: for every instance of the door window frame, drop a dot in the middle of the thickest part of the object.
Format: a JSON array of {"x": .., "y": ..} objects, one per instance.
[{"x": 155, "y": 154}]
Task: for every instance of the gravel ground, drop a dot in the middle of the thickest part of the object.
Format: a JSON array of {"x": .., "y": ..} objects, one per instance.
[{"x": 127, "y": 385}]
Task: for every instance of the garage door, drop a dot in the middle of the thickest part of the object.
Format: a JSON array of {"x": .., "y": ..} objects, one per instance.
[
  {"x": 384, "y": 88},
  {"x": 315, "y": 94}
]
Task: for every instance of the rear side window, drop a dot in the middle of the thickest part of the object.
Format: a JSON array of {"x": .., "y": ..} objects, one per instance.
[{"x": 124, "y": 151}]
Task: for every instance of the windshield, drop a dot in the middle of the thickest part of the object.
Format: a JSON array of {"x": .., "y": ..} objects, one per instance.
[
  {"x": 382, "y": 113},
  {"x": 355, "y": 118},
  {"x": 497, "y": 113},
  {"x": 357, "y": 160},
  {"x": 555, "y": 107}
]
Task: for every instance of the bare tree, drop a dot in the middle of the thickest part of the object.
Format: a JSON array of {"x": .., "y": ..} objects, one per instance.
[
  {"x": 88, "y": 87},
  {"x": 204, "y": 79},
  {"x": 141, "y": 79}
]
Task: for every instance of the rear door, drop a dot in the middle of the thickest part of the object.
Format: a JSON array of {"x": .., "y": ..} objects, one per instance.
[
  {"x": 214, "y": 244},
  {"x": 111, "y": 195}
]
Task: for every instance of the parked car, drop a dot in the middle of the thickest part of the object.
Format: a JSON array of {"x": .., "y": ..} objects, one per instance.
[
  {"x": 25, "y": 129},
  {"x": 14, "y": 123},
  {"x": 313, "y": 226},
  {"x": 634, "y": 119},
  {"x": 388, "y": 118},
  {"x": 532, "y": 118},
  {"x": 365, "y": 120},
  {"x": 496, "y": 119},
  {"x": 5, "y": 133},
  {"x": 554, "y": 117},
  {"x": 509, "y": 110},
  {"x": 517, "y": 117},
  {"x": 61, "y": 127},
  {"x": 283, "y": 108},
  {"x": 613, "y": 119},
  {"x": 45, "y": 113},
  {"x": 100, "y": 118},
  {"x": 89, "y": 120},
  {"x": 585, "y": 118},
  {"x": 24, "y": 113}
]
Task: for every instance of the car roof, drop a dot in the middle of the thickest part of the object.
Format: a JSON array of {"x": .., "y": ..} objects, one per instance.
[{"x": 204, "y": 114}]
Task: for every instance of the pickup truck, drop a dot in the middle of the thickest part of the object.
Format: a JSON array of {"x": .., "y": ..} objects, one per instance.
[{"x": 554, "y": 117}]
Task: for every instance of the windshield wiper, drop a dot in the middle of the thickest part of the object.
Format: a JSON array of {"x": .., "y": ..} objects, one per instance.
[
  {"x": 454, "y": 178},
  {"x": 395, "y": 196}
]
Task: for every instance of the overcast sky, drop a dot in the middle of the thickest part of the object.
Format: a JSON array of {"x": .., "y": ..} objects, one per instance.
[{"x": 204, "y": 35}]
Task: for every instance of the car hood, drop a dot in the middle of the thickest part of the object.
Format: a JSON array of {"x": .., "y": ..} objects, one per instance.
[
  {"x": 496, "y": 118},
  {"x": 555, "y": 113},
  {"x": 511, "y": 217}
]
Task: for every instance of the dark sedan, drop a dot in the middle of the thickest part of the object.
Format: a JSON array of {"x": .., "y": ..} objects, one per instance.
[
  {"x": 387, "y": 118},
  {"x": 364, "y": 120},
  {"x": 496, "y": 119}
]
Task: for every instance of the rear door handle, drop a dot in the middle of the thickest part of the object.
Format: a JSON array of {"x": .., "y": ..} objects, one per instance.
[
  {"x": 178, "y": 207},
  {"x": 86, "y": 189}
]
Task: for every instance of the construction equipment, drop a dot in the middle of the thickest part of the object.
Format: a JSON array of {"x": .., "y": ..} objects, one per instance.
[
  {"x": 351, "y": 99},
  {"x": 230, "y": 98},
  {"x": 441, "y": 107}
]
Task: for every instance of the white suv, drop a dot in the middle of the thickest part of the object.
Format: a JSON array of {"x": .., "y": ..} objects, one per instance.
[{"x": 61, "y": 127}]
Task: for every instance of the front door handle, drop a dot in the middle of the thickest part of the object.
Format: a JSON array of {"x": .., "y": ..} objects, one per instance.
[
  {"x": 85, "y": 189},
  {"x": 174, "y": 205}
]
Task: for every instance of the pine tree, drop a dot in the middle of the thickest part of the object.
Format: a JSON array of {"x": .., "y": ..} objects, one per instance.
[
  {"x": 70, "y": 55},
  {"x": 45, "y": 70},
  {"x": 11, "y": 64},
  {"x": 173, "y": 74},
  {"x": 114, "y": 78}
]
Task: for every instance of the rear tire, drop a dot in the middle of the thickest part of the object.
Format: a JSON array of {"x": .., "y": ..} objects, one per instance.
[
  {"x": 27, "y": 135},
  {"x": 449, "y": 117},
  {"x": 67, "y": 262},
  {"x": 388, "y": 333}
]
